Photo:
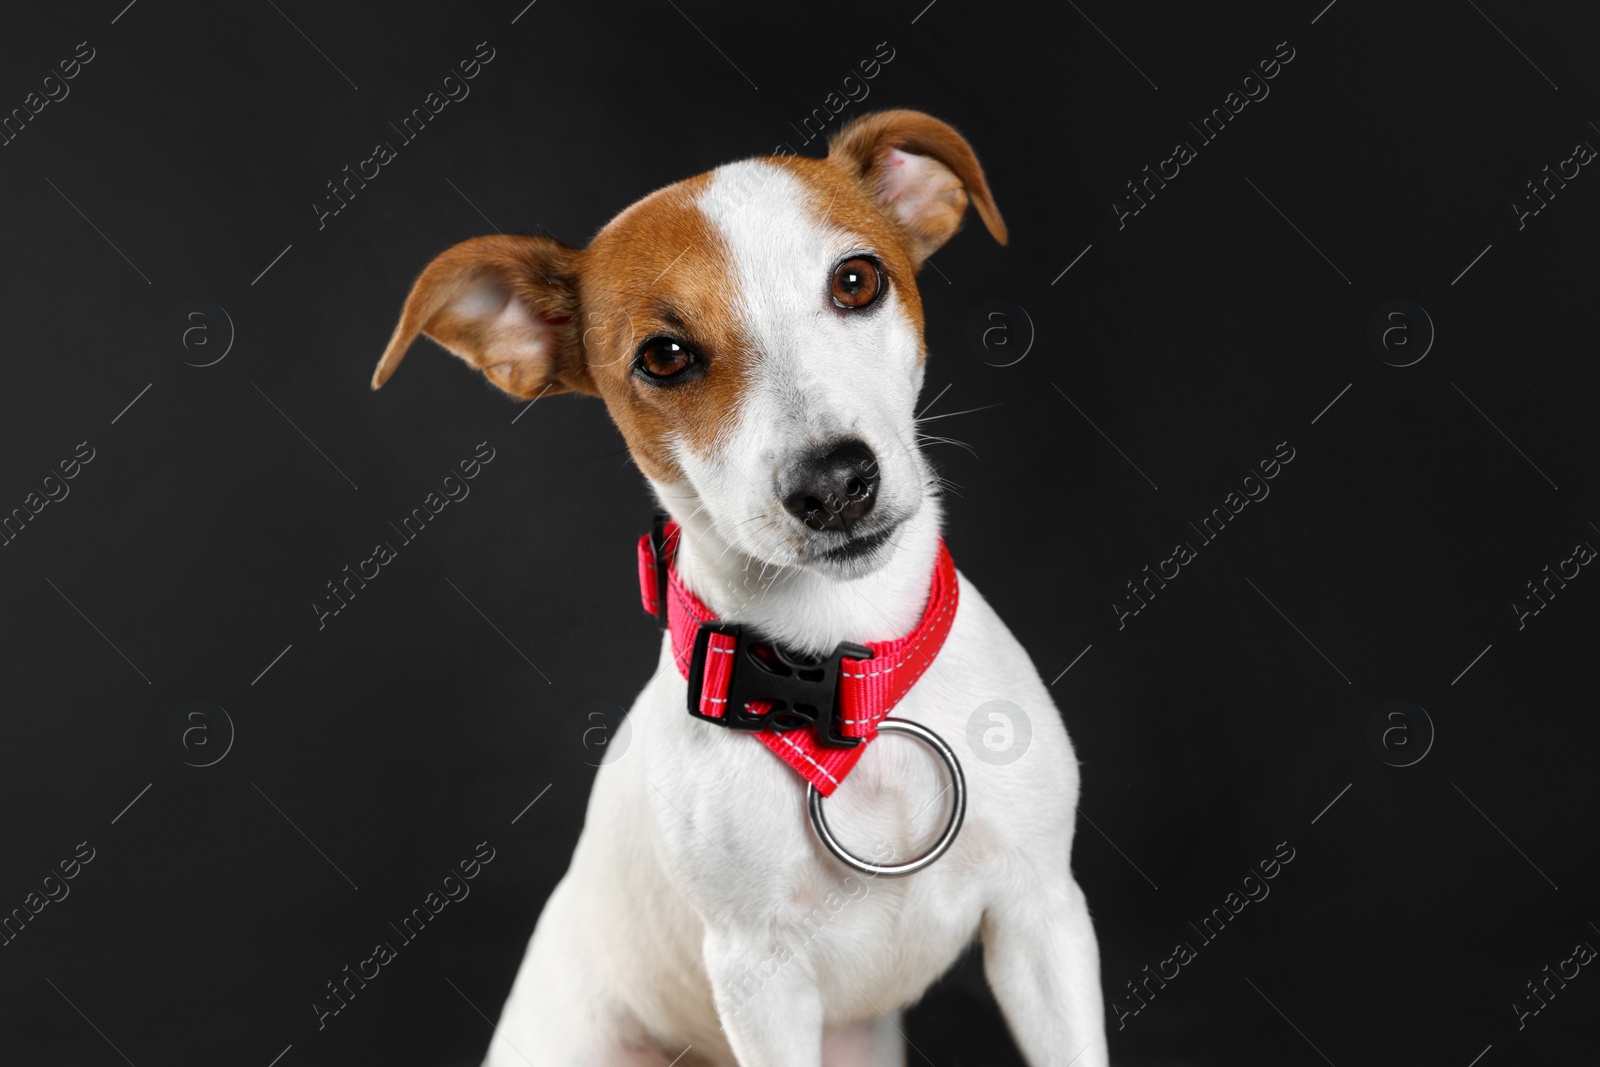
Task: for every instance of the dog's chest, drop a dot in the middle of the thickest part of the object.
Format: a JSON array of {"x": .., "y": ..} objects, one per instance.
[{"x": 735, "y": 839}]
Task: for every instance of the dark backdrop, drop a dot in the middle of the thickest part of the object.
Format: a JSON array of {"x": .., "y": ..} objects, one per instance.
[{"x": 1244, "y": 709}]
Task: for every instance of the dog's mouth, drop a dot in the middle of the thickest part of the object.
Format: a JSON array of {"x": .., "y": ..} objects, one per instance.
[{"x": 856, "y": 548}]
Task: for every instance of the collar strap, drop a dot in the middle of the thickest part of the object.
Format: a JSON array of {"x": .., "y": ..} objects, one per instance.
[{"x": 818, "y": 715}]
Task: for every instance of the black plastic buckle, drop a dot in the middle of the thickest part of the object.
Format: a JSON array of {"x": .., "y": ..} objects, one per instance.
[
  {"x": 658, "y": 547},
  {"x": 802, "y": 692}
]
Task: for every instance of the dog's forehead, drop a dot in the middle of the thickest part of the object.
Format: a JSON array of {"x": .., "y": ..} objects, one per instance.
[
  {"x": 793, "y": 208},
  {"x": 820, "y": 190},
  {"x": 782, "y": 206},
  {"x": 785, "y": 225},
  {"x": 715, "y": 251}
]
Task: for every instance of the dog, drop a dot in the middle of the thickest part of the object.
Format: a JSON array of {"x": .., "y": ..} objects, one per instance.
[{"x": 756, "y": 334}]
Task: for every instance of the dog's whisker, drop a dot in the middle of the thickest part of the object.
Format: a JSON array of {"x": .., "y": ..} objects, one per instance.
[
  {"x": 932, "y": 402},
  {"x": 950, "y": 441},
  {"x": 940, "y": 439},
  {"x": 953, "y": 414}
]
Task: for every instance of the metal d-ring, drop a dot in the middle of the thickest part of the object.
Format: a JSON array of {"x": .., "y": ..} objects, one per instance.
[{"x": 958, "y": 785}]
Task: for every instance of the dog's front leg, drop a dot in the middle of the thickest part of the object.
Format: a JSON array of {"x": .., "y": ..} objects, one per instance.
[
  {"x": 767, "y": 1001},
  {"x": 1043, "y": 963}
]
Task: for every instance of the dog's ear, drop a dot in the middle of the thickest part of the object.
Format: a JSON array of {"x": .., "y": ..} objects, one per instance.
[
  {"x": 504, "y": 304},
  {"x": 919, "y": 172}
]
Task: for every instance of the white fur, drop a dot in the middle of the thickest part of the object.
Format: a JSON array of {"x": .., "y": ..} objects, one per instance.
[{"x": 699, "y": 916}]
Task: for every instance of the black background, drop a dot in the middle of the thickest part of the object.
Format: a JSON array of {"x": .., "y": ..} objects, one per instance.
[{"x": 1221, "y": 720}]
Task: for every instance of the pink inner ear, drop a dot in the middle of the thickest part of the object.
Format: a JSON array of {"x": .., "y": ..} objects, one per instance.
[
  {"x": 915, "y": 187},
  {"x": 902, "y": 172},
  {"x": 508, "y": 330},
  {"x": 520, "y": 334}
]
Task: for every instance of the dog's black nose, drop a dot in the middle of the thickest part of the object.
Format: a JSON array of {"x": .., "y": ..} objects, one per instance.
[{"x": 835, "y": 487}]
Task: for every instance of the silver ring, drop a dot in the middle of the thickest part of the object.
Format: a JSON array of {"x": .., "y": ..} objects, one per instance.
[{"x": 957, "y": 783}]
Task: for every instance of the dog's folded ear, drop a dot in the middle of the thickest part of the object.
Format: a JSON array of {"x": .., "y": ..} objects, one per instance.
[
  {"x": 505, "y": 305},
  {"x": 920, "y": 172}
]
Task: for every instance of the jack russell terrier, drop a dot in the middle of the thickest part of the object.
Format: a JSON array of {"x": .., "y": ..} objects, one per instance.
[{"x": 756, "y": 334}]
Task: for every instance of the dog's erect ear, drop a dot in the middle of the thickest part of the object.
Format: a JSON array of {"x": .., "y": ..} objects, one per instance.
[
  {"x": 506, "y": 305},
  {"x": 920, "y": 172}
]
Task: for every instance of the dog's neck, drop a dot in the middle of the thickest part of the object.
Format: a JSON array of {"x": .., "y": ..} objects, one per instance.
[{"x": 799, "y": 608}]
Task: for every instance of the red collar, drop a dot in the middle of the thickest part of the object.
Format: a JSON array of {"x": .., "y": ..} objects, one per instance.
[{"x": 817, "y": 715}]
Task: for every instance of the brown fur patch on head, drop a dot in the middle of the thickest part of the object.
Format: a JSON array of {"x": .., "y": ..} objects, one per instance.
[{"x": 659, "y": 268}]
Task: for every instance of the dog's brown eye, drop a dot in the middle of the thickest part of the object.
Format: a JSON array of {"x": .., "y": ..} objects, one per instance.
[
  {"x": 661, "y": 358},
  {"x": 856, "y": 283}
]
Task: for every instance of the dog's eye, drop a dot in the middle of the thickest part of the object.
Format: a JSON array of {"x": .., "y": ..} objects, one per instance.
[
  {"x": 663, "y": 358},
  {"x": 857, "y": 282}
]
